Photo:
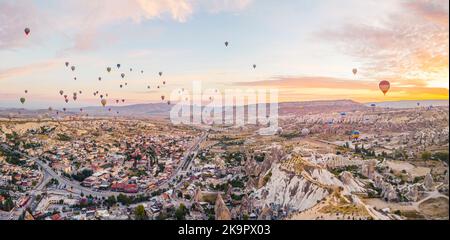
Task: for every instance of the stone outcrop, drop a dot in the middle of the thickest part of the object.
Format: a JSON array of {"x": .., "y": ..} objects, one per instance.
[{"x": 221, "y": 210}]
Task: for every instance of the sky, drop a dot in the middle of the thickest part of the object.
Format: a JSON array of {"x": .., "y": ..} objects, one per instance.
[{"x": 306, "y": 49}]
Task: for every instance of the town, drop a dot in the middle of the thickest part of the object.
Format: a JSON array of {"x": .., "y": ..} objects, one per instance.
[{"x": 337, "y": 160}]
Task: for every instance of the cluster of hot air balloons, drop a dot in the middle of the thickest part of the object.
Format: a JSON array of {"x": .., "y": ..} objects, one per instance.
[{"x": 384, "y": 85}]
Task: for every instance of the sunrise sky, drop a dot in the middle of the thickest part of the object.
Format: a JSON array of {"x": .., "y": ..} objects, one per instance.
[{"x": 307, "y": 49}]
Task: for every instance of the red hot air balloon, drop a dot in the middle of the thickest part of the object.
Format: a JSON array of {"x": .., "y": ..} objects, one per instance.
[
  {"x": 384, "y": 86},
  {"x": 27, "y": 31}
]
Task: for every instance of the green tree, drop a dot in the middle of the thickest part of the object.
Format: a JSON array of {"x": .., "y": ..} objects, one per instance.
[
  {"x": 181, "y": 212},
  {"x": 140, "y": 213},
  {"x": 426, "y": 155}
]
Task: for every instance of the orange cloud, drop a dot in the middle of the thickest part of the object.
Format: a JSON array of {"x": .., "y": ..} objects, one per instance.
[
  {"x": 326, "y": 88},
  {"x": 411, "y": 46}
]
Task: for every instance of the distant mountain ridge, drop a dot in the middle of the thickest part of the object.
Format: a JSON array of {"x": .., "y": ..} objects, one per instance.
[{"x": 163, "y": 109}]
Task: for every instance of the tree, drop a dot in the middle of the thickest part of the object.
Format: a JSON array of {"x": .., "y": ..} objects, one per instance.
[
  {"x": 181, "y": 212},
  {"x": 426, "y": 156},
  {"x": 140, "y": 213}
]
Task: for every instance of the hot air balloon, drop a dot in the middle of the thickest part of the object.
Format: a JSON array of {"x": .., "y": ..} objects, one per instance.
[
  {"x": 121, "y": 86},
  {"x": 80, "y": 92},
  {"x": 418, "y": 104},
  {"x": 74, "y": 97},
  {"x": 142, "y": 71},
  {"x": 162, "y": 97},
  {"x": 117, "y": 112},
  {"x": 81, "y": 110},
  {"x": 355, "y": 71},
  {"x": 22, "y": 100},
  {"x": 122, "y": 75},
  {"x": 158, "y": 87},
  {"x": 343, "y": 113},
  {"x": 103, "y": 102},
  {"x": 64, "y": 109},
  {"x": 148, "y": 87},
  {"x": 61, "y": 92},
  {"x": 168, "y": 102},
  {"x": 126, "y": 84},
  {"x": 26, "y": 91},
  {"x": 226, "y": 44},
  {"x": 108, "y": 69},
  {"x": 164, "y": 82},
  {"x": 254, "y": 66},
  {"x": 67, "y": 64},
  {"x": 109, "y": 109},
  {"x": 101, "y": 96},
  {"x": 117, "y": 101},
  {"x": 355, "y": 134},
  {"x": 50, "y": 109},
  {"x": 131, "y": 69},
  {"x": 106, "y": 95},
  {"x": 160, "y": 74},
  {"x": 73, "y": 68},
  {"x": 118, "y": 65},
  {"x": 384, "y": 86},
  {"x": 27, "y": 31},
  {"x": 123, "y": 100},
  {"x": 67, "y": 100},
  {"x": 99, "y": 78},
  {"x": 75, "y": 78}
]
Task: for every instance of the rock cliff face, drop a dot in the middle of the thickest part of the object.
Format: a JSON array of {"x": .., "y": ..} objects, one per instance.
[
  {"x": 297, "y": 184},
  {"x": 291, "y": 191},
  {"x": 221, "y": 210}
]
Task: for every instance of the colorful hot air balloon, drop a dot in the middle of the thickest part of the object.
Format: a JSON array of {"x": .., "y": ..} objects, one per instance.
[
  {"x": 355, "y": 134},
  {"x": 27, "y": 31},
  {"x": 355, "y": 71},
  {"x": 384, "y": 86},
  {"x": 22, "y": 100},
  {"x": 103, "y": 102}
]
